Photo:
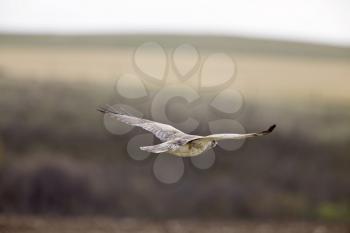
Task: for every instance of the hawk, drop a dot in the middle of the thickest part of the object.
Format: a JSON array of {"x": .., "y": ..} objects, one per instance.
[{"x": 174, "y": 141}]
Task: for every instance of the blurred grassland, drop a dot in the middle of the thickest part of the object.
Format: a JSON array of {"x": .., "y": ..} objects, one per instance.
[
  {"x": 265, "y": 68},
  {"x": 57, "y": 157},
  {"x": 53, "y": 224}
]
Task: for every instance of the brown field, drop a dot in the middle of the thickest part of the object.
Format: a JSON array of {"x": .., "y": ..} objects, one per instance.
[
  {"x": 260, "y": 75},
  {"x": 31, "y": 224}
]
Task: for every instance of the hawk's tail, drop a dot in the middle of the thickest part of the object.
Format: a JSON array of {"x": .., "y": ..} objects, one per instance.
[
  {"x": 154, "y": 149},
  {"x": 162, "y": 147}
]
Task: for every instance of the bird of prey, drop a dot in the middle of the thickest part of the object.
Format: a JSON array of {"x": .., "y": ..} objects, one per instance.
[{"x": 174, "y": 141}]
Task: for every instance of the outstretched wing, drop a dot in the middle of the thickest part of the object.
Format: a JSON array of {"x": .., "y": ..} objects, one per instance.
[
  {"x": 240, "y": 136},
  {"x": 162, "y": 131}
]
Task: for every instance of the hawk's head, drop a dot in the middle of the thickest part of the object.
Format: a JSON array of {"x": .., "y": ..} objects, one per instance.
[{"x": 213, "y": 144}]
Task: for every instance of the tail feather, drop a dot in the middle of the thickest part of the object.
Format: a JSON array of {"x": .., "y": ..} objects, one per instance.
[
  {"x": 162, "y": 147},
  {"x": 153, "y": 149}
]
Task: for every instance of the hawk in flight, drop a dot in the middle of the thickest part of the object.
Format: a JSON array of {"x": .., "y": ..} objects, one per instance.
[{"x": 174, "y": 141}]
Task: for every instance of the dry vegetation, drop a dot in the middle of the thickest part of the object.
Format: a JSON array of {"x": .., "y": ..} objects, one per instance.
[{"x": 25, "y": 224}]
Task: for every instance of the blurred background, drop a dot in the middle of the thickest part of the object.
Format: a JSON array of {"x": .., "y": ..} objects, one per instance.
[{"x": 60, "y": 169}]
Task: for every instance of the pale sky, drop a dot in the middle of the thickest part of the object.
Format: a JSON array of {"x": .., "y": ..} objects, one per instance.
[{"x": 321, "y": 21}]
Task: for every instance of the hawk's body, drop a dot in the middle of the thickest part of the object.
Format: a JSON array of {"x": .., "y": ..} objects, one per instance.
[
  {"x": 175, "y": 141},
  {"x": 193, "y": 148},
  {"x": 183, "y": 148}
]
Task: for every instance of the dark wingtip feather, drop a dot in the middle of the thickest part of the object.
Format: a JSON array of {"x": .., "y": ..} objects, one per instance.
[
  {"x": 270, "y": 129},
  {"x": 106, "y": 109},
  {"x": 102, "y": 109},
  {"x": 113, "y": 109}
]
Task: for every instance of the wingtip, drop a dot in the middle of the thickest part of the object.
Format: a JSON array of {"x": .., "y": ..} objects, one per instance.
[
  {"x": 113, "y": 109},
  {"x": 269, "y": 130},
  {"x": 272, "y": 127},
  {"x": 106, "y": 109},
  {"x": 101, "y": 109}
]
